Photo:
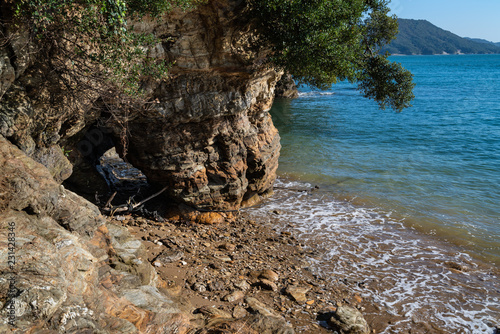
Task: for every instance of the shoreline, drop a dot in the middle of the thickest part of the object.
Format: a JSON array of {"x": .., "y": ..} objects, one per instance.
[
  {"x": 220, "y": 266},
  {"x": 425, "y": 226}
]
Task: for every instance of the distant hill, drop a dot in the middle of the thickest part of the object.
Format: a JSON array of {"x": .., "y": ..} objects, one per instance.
[
  {"x": 420, "y": 37},
  {"x": 480, "y": 40}
]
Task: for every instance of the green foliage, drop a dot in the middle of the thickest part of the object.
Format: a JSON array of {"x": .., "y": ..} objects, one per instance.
[
  {"x": 89, "y": 39},
  {"x": 422, "y": 37},
  {"x": 321, "y": 42}
]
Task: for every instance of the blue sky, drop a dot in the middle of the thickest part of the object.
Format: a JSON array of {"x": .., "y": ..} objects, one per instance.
[{"x": 466, "y": 18}]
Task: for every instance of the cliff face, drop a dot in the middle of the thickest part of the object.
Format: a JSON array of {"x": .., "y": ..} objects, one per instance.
[
  {"x": 208, "y": 136},
  {"x": 67, "y": 269}
]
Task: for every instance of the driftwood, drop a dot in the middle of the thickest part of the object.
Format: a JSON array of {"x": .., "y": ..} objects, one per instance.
[{"x": 129, "y": 207}]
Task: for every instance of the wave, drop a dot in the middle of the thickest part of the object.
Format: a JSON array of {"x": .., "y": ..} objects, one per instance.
[{"x": 411, "y": 275}]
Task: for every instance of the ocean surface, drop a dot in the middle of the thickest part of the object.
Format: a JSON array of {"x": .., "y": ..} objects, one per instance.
[{"x": 407, "y": 202}]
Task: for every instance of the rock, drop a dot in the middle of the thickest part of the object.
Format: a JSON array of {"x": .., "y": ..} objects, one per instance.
[
  {"x": 261, "y": 308},
  {"x": 209, "y": 218},
  {"x": 269, "y": 275},
  {"x": 199, "y": 287},
  {"x": 269, "y": 325},
  {"x": 213, "y": 312},
  {"x": 76, "y": 272},
  {"x": 169, "y": 256},
  {"x": 242, "y": 285},
  {"x": 298, "y": 293},
  {"x": 348, "y": 320},
  {"x": 286, "y": 88},
  {"x": 239, "y": 312},
  {"x": 267, "y": 284},
  {"x": 228, "y": 246},
  {"x": 216, "y": 285},
  {"x": 234, "y": 296},
  {"x": 210, "y": 137}
]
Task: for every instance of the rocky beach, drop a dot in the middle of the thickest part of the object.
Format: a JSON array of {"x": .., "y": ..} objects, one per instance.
[{"x": 232, "y": 270}]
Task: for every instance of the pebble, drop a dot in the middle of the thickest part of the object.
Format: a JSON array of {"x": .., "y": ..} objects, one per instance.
[
  {"x": 239, "y": 312},
  {"x": 234, "y": 296},
  {"x": 199, "y": 287},
  {"x": 267, "y": 284},
  {"x": 242, "y": 285},
  {"x": 228, "y": 247},
  {"x": 269, "y": 275},
  {"x": 298, "y": 293}
]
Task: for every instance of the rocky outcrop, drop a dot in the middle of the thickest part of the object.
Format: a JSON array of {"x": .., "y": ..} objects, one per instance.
[
  {"x": 209, "y": 137},
  {"x": 286, "y": 88},
  {"x": 206, "y": 135},
  {"x": 70, "y": 271}
]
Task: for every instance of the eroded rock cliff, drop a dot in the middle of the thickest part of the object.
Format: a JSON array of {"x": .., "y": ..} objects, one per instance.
[
  {"x": 71, "y": 271},
  {"x": 209, "y": 137},
  {"x": 206, "y": 134}
]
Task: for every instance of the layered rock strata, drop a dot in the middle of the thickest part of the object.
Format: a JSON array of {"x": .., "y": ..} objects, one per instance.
[
  {"x": 209, "y": 136},
  {"x": 67, "y": 270},
  {"x": 206, "y": 135}
]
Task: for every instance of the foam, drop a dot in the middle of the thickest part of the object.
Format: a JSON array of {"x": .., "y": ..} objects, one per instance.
[{"x": 406, "y": 272}]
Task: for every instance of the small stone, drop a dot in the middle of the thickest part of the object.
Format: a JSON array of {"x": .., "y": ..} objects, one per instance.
[
  {"x": 298, "y": 293},
  {"x": 228, "y": 247},
  {"x": 261, "y": 308},
  {"x": 209, "y": 218},
  {"x": 239, "y": 312},
  {"x": 199, "y": 287},
  {"x": 223, "y": 258},
  {"x": 157, "y": 264},
  {"x": 269, "y": 275},
  {"x": 349, "y": 320},
  {"x": 310, "y": 302},
  {"x": 242, "y": 285},
  {"x": 267, "y": 284},
  {"x": 169, "y": 256},
  {"x": 216, "y": 286},
  {"x": 212, "y": 312},
  {"x": 234, "y": 296}
]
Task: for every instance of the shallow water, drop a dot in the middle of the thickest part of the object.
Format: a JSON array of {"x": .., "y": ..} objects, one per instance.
[
  {"x": 423, "y": 281},
  {"x": 436, "y": 164},
  {"x": 408, "y": 203}
]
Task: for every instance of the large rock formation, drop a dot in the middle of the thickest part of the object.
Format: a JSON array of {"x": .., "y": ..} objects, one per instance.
[
  {"x": 67, "y": 270},
  {"x": 209, "y": 137}
]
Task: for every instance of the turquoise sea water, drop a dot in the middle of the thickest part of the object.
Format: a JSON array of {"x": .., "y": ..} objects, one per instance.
[
  {"x": 436, "y": 164},
  {"x": 410, "y": 201}
]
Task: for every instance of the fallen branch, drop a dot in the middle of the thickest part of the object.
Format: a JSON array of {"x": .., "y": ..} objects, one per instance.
[{"x": 129, "y": 207}]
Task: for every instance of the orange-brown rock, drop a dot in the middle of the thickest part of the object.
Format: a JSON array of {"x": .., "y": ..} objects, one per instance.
[
  {"x": 209, "y": 137},
  {"x": 73, "y": 271}
]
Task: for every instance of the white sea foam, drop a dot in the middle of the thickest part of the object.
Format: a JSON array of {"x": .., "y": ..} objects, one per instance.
[
  {"x": 413, "y": 276},
  {"x": 315, "y": 93}
]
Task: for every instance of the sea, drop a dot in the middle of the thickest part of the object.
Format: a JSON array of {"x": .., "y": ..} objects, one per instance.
[{"x": 406, "y": 203}]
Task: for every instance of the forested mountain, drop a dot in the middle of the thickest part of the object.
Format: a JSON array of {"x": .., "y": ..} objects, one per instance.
[
  {"x": 421, "y": 37},
  {"x": 480, "y": 40}
]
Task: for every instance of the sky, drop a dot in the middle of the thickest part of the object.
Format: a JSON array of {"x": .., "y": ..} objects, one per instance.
[{"x": 465, "y": 18}]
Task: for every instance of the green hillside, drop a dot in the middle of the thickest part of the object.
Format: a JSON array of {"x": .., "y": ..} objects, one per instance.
[
  {"x": 480, "y": 40},
  {"x": 420, "y": 37}
]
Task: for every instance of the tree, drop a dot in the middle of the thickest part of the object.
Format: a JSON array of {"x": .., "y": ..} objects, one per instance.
[
  {"x": 88, "y": 44},
  {"x": 321, "y": 42}
]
